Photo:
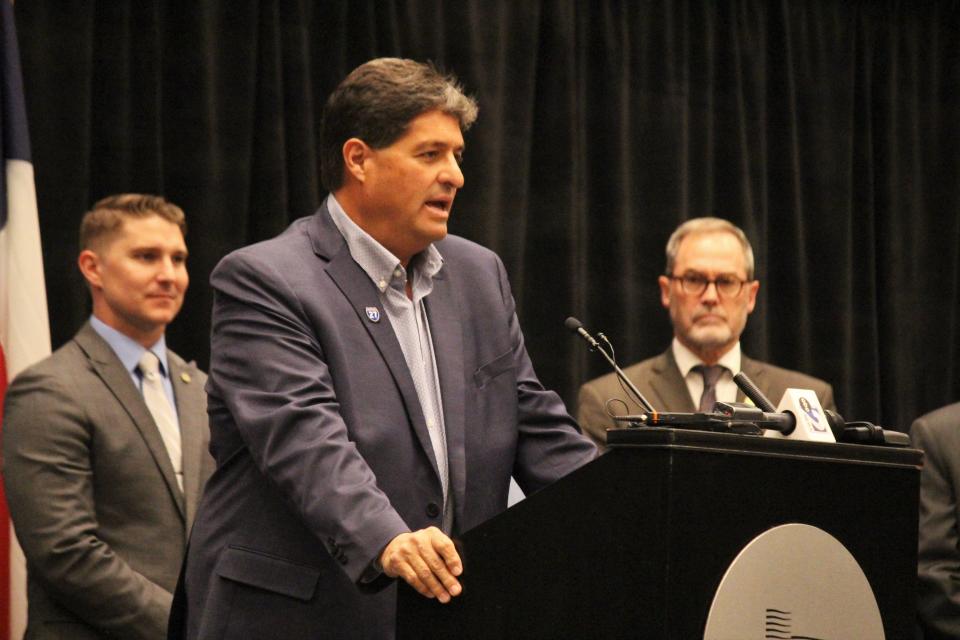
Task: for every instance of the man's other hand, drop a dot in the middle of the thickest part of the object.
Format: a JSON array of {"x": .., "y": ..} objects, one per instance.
[{"x": 427, "y": 561}]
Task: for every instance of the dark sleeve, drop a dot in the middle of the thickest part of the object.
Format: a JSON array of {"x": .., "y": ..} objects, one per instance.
[{"x": 938, "y": 552}]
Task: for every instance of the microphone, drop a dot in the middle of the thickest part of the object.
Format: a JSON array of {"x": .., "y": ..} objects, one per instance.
[
  {"x": 853, "y": 432},
  {"x": 784, "y": 422},
  {"x": 860, "y": 432},
  {"x": 576, "y": 327},
  {"x": 794, "y": 403}
]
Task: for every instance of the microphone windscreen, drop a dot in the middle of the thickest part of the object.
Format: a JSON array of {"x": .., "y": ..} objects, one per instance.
[
  {"x": 572, "y": 324},
  {"x": 836, "y": 422}
]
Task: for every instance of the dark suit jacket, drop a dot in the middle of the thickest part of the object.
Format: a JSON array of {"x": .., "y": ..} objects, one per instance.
[
  {"x": 659, "y": 380},
  {"x": 92, "y": 493},
  {"x": 938, "y": 435},
  {"x": 322, "y": 450}
]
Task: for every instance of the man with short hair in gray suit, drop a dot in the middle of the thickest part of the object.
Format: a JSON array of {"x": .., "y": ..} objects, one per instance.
[
  {"x": 938, "y": 588},
  {"x": 709, "y": 289},
  {"x": 370, "y": 391},
  {"x": 105, "y": 441}
]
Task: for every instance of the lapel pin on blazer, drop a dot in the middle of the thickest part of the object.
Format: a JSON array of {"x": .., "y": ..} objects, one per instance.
[
  {"x": 185, "y": 377},
  {"x": 373, "y": 314}
]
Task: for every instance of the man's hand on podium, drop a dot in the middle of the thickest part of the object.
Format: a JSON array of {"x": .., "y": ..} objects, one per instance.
[{"x": 427, "y": 561}]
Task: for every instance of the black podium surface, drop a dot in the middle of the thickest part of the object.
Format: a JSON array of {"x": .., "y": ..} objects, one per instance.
[{"x": 634, "y": 544}]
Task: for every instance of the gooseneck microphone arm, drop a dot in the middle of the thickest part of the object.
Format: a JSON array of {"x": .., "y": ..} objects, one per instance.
[
  {"x": 753, "y": 392},
  {"x": 769, "y": 417},
  {"x": 576, "y": 327}
]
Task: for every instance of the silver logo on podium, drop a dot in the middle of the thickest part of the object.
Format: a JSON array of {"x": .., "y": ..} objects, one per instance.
[{"x": 794, "y": 581}]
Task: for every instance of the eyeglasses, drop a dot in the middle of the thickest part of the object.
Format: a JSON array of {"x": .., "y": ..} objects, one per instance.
[{"x": 728, "y": 286}]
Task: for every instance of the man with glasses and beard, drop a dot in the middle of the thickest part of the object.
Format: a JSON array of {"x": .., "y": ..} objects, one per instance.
[{"x": 709, "y": 289}]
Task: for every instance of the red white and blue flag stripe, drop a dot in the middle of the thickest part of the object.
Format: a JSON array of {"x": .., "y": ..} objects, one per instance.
[{"x": 24, "y": 325}]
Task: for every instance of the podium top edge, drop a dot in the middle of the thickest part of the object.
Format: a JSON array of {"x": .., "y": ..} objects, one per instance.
[{"x": 661, "y": 437}]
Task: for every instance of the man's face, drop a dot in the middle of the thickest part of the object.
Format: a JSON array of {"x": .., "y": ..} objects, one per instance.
[
  {"x": 410, "y": 185},
  {"x": 138, "y": 277},
  {"x": 709, "y": 324}
]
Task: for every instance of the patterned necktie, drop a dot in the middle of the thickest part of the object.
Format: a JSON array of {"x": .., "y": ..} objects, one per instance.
[
  {"x": 159, "y": 406},
  {"x": 710, "y": 376}
]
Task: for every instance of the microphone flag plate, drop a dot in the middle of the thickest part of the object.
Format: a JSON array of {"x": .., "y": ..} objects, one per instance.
[{"x": 811, "y": 420}]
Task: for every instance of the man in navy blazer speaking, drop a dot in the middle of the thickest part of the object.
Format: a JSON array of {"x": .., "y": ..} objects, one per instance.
[{"x": 370, "y": 394}]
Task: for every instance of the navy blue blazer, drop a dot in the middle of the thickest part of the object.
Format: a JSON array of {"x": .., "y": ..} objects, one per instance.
[{"x": 322, "y": 450}]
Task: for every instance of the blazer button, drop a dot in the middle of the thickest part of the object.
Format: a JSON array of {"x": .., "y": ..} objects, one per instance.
[{"x": 433, "y": 509}]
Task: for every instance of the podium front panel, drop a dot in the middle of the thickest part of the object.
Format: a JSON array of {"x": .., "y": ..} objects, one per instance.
[{"x": 634, "y": 544}]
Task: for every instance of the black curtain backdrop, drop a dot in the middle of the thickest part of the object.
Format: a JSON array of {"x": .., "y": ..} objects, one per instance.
[{"x": 828, "y": 130}]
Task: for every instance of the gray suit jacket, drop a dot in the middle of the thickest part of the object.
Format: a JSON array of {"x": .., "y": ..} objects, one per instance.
[
  {"x": 322, "y": 450},
  {"x": 938, "y": 435},
  {"x": 659, "y": 380},
  {"x": 92, "y": 493}
]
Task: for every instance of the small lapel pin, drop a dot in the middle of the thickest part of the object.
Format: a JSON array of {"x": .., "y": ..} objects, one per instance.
[
  {"x": 373, "y": 314},
  {"x": 185, "y": 377}
]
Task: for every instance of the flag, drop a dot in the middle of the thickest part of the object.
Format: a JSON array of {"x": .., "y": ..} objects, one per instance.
[{"x": 24, "y": 326}]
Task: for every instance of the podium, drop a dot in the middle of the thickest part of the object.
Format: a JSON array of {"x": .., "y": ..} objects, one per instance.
[{"x": 635, "y": 544}]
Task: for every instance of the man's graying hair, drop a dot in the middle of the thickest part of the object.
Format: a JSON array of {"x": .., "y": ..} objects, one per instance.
[
  {"x": 376, "y": 103},
  {"x": 707, "y": 225}
]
